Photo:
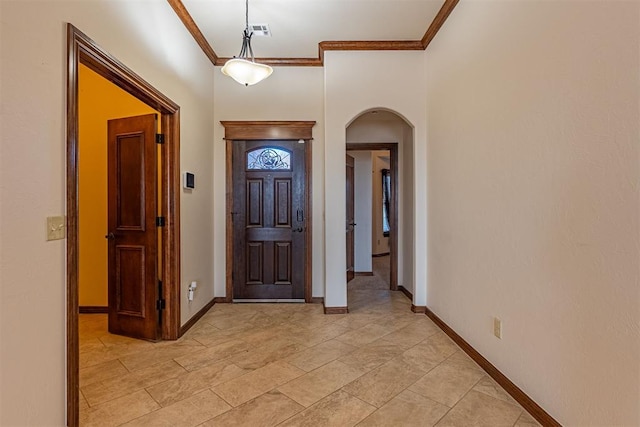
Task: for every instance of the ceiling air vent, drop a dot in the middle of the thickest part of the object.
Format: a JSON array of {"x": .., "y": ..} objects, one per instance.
[{"x": 261, "y": 30}]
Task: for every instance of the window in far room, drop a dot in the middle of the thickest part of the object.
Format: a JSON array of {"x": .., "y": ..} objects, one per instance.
[{"x": 386, "y": 200}]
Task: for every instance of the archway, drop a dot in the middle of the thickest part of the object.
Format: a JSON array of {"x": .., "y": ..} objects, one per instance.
[{"x": 369, "y": 132}]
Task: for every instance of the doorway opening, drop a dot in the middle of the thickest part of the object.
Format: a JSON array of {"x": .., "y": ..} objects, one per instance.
[
  {"x": 100, "y": 103},
  {"x": 383, "y": 203},
  {"x": 83, "y": 51},
  {"x": 372, "y": 249}
]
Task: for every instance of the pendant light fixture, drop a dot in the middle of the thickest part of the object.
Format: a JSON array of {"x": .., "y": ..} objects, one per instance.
[{"x": 243, "y": 68}]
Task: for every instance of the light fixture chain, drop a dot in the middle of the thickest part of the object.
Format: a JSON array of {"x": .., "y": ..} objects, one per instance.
[
  {"x": 246, "y": 37},
  {"x": 246, "y": 14}
]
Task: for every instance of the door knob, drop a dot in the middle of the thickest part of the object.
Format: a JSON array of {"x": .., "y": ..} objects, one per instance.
[
  {"x": 110, "y": 236},
  {"x": 298, "y": 230}
]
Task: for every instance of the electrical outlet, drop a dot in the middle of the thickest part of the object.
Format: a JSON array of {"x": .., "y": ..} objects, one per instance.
[
  {"x": 190, "y": 290},
  {"x": 56, "y": 227},
  {"x": 497, "y": 327}
]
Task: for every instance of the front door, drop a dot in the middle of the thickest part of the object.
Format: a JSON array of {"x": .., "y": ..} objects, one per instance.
[
  {"x": 269, "y": 220},
  {"x": 350, "y": 224},
  {"x": 132, "y": 233}
]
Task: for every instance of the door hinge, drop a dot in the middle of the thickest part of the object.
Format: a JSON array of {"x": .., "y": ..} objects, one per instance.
[
  {"x": 159, "y": 138},
  {"x": 160, "y": 303},
  {"x": 160, "y": 221}
]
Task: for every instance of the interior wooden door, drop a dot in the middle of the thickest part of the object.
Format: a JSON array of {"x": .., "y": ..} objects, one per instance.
[
  {"x": 132, "y": 234},
  {"x": 269, "y": 220},
  {"x": 350, "y": 218}
]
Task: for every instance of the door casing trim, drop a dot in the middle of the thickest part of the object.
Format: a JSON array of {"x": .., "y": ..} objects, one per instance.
[
  {"x": 268, "y": 130},
  {"x": 83, "y": 50},
  {"x": 393, "y": 215}
]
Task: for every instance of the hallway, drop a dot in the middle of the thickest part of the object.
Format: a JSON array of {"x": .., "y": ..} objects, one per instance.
[{"x": 291, "y": 365}]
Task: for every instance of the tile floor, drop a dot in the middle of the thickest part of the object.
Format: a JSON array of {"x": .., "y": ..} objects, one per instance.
[{"x": 291, "y": 365}]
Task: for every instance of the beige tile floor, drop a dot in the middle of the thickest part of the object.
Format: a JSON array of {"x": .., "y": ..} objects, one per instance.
[{"x": 291, "y": 365}]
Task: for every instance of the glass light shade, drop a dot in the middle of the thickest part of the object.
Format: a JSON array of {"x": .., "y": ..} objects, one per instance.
[{"x": 246, "y": 72}]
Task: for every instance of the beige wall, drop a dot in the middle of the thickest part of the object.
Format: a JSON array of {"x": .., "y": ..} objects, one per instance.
[
  {"x": 407, "y": 239},
  {"x": 99, "y": 100},
  {"x": 290, "y": 93},
  {"x": 349, "y": 79},
  {"x": 302, "y": 93},
  {"x": 534, "y": 210},
  {"x": 148, "y": 38}
]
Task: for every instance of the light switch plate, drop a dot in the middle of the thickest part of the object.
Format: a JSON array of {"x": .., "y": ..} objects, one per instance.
[{"x": 56, "y": 227}]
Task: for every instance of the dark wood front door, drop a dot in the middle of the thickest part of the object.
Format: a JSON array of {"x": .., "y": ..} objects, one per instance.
[
  {"x": 269, "y": 219},
  {"x": 132, "y": 233},
  {"x": 350, "y": 223}
]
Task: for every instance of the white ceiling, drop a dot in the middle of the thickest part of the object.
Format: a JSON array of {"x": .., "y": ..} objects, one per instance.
[{"x": 298, "y": 26}]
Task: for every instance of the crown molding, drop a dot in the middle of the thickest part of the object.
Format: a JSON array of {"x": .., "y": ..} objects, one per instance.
[
  {"x": 438, "y": 22},
  {"x": 367, "y": 45},
  {"x": 192, "y": 27},
  {"x": 346, "y": 45}
]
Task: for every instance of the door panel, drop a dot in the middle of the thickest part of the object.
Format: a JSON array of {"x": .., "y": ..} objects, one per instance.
[
  {"x": 269, "y": 241},
  {"x": 255, "y": 255},
  {"x": 255, "y": 203},
  {"x": 130, "y": 182},
  {"x": 283, "y": 263},
  {"x": 132, "y": 234},
  {"x": 130, "y": 270},
  {"x": 283, "y": 202},
  {"x": 350, "y": 217}
]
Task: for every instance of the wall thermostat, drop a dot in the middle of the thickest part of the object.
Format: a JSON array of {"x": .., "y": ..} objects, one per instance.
[{"x": 189, "y": 180}]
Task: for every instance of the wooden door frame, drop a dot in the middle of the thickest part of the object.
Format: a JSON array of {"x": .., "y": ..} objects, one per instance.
[
  {"x": 82, "y": 50},
  {"x": 274, "y": 131},
  {"x": 392, "y": 147}
]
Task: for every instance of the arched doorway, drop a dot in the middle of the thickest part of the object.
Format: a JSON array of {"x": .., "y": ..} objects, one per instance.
[{"x": 382, "y": 142}]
